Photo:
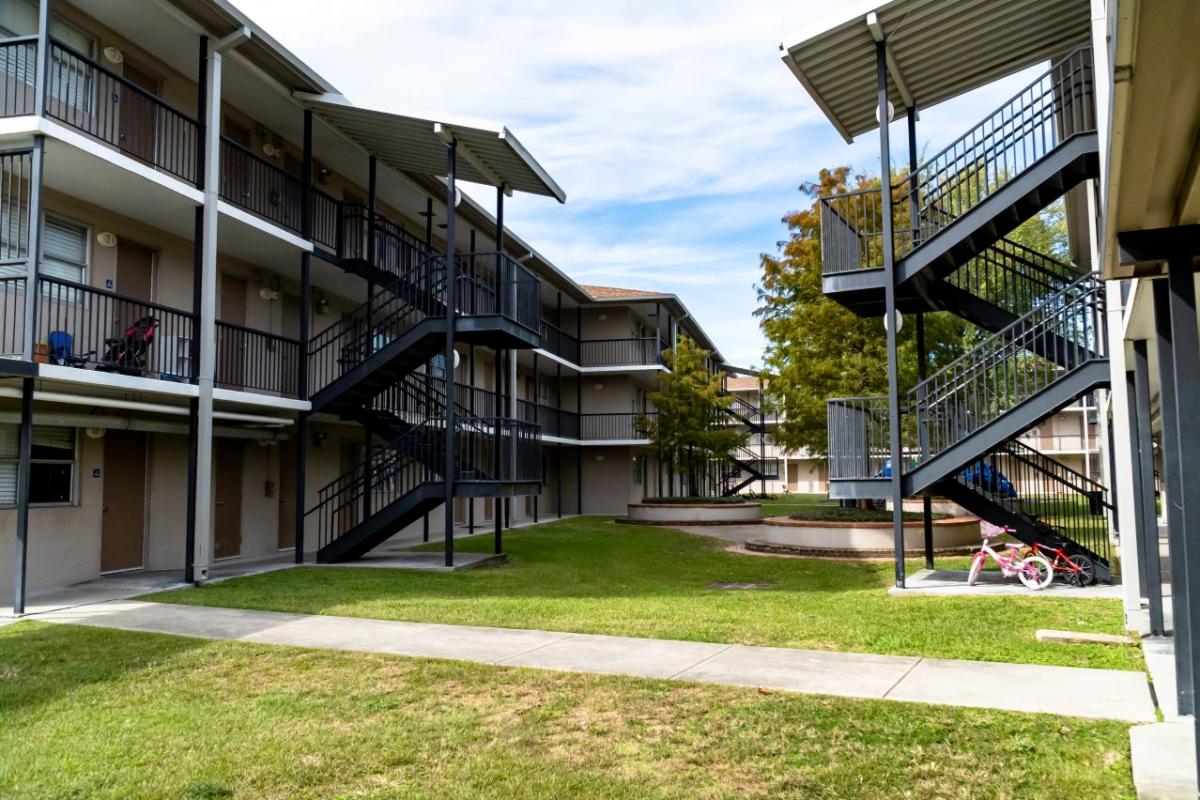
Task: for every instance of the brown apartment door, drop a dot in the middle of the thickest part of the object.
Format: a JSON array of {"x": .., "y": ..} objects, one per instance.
[
  {"x": 139, "y": 115},
  {"x": 289, "y": 369},
  {"x": 123, "y": 513},
  {"x": 227, "y": 491},
  {"x": 286, "y": 536},
  {"x": 231, "y": 356}
]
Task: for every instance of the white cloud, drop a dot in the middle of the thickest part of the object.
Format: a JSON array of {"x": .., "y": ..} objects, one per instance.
[{"x": 674, "y": 128}]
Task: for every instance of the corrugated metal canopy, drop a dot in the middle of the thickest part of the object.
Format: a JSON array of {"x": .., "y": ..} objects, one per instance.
[
  {"x": 938, "y": 49},
  {"x": 488, "y": 153}
]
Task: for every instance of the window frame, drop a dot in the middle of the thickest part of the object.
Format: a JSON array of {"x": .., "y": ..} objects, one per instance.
[{"x": 73, "y": 489}]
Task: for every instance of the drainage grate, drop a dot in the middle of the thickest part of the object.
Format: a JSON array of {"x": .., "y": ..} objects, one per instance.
[{"x": 741, "y": 586}]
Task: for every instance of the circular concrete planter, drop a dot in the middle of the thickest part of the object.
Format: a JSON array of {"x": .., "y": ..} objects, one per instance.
[
  {"x": 939, "y": 505},
  {"x": 861, "y": 539},
  {"x": 694, "y": 513}
]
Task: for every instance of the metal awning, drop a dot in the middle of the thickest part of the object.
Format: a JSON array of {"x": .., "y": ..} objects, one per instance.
[
  {"x": 937, "y": 49},
  {"x": 488, "y": 153}
]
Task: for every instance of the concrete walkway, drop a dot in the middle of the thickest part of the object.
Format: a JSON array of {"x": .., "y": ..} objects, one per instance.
[
  {"x": 1108, "y": 694},
  {"x": 991, "y": 583}
]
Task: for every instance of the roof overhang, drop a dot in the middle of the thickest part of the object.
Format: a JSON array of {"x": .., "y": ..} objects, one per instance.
[
  {"x": 936, "y": 50},
  {"x": 1153, "y": 178},
  {"x": 488, "y": 153}
]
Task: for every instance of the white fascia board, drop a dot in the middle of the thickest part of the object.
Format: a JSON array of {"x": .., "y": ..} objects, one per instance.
[
  {"x": 114, "y": 380},
  {"x": 258, "y": 223},
  {"x": 261, "y": 400}
]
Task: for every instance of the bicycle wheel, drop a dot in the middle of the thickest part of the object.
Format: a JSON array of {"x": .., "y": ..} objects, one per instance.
[
  {"x": 976, "y": 567},
  {"x": 1036, "y": 573},
  {"x": 1086, "y": 575}
]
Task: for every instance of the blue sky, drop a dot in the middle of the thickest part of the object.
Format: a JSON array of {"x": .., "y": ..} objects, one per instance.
[{"x": 676, "y": 131}]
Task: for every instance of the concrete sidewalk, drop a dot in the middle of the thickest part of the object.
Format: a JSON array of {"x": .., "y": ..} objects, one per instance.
[{"x": 1096, "y": 693}]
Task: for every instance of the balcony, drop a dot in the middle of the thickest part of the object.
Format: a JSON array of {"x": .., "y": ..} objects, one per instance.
[
  {"x": 620, "y": 426},
  {"x": 560, "y": 343},
  {"x": 641, "y": 352},
  {"x": 84, "y": 327}
]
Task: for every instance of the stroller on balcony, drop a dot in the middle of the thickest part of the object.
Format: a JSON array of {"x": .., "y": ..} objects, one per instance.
[{"x": 127, "y": 354}]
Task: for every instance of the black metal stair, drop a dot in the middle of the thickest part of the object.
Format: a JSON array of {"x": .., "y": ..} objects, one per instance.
[
  {"x": 744, "y": 466},
  {"x": 966, "y": 199},
  {"x": 1057, "y": 506}
]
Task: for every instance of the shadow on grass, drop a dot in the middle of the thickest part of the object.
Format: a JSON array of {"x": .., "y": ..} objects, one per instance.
[{"x": 39, "y": 661}]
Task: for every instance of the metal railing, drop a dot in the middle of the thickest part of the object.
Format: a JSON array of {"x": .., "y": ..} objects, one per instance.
[
  {"x": 492, "y": 284},
  {"x": 487, "y": 449},
  {"x": 260, "y": 187},
  {"x": 396, "y": 251},
  {"x": 1013, "y": 277},
  {"x": 84, "y": 326},
  {"x": 325, "y": 219},
  {"x": 859, "y": 434},
  {"x": 12, "y": 317},
  {"x": 1004, "y": 370},
  {"x": 256, "y": 360},
  {"x": 557, "y": 341},
  {"x": 622, "y": 426},
  {"x": 1054, "y": 107},
  {"x": 118, "y": 112},
  {"x": 1056, "y": 499},
  {"x": 392, "y": 311},
  {"x": 18, "y": 71},
  {"x": 620, "y": 352}
]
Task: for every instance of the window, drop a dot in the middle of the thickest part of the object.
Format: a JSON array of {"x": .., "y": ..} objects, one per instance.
[
  {"x": 639, "y": 469},
  {"x": 64, "y": 249},
  {"x": 70, "y": 78},
  {"x": 51, "y": 472}
]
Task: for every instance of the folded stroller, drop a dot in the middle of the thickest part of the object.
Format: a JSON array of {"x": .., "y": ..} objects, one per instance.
[{"x": 127, "y": 354}]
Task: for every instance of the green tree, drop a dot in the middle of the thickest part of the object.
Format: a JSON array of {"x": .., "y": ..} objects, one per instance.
[
  {"x": 817, "y": 349},
  {"x": 691, "y": 430}
]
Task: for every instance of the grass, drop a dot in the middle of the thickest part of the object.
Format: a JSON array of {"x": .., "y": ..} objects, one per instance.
[
  {"x": 783, "y": 504},
  {"x": 102, "y": 715},
  {"x": 590, "y": 575}
]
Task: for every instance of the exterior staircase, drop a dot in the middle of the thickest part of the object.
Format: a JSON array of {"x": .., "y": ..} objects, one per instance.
[
  {"x": 745, "y": 465},
  {"x": 374, "y": 366},
  {"x": 1045, "y": 339}
]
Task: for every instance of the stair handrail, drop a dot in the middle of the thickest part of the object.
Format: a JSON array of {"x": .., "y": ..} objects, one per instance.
[{"x": 1073, "y": 317}]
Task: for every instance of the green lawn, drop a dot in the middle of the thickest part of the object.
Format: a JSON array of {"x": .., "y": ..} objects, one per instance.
[
  {"x": 784, "y": 504},
  {"x": 593, "y": 576},
  {"x": 102, "y": 715}
]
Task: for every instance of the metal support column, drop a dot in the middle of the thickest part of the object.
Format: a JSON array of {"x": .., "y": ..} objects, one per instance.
[
  {"x": 301, "y": 442},
  {"x": 448, "y": 352},
  {"x": 1143, "y": 485},
  {"x": 890, "y": 316},
  {"x": 24, "y": 454},
  {"x": 189, "y": 538},
  {"x": 1174, "y": 476},
  {"x": 499, "y": 508},
  {"x": 206, "y": 323},
  {"x": 923, "y": 432}
]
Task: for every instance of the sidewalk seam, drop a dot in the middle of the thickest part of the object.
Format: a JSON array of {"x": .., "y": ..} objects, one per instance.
[
  {"x": 724, "y": 649},
  {"x": 900, "y": 680},
  {"x": 535, "y": 649}
]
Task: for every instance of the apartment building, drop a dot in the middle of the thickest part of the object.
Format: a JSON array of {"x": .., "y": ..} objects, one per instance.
[
  {"x": 1110, "y": 122},
  {"x": 242, "y": 317}
]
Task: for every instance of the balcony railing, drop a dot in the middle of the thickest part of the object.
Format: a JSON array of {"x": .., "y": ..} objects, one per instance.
[
  {"x": 87, "y": 327},
  {"x": 620, "y": 352},
  {"x": 396, "y": 250},
  {"x": 622, "y": 426},
  {"x": 18, "y": 67},
  {"x": 12, "y": 317},
  {"x": 260, "y": 187},
  {"x": 557, "y": 341},
  {"x": 106, "y": 106},
  {"x": 262, "y": 362}
]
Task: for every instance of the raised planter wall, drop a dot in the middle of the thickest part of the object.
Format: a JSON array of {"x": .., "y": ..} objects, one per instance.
[
  {"x": 940, "y": 505},
  {"x": 698, "y": 514},
  {"x": 952, "y": 533}
]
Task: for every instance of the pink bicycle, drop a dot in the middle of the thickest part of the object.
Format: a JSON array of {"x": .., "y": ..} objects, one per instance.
[{"x": 1034, "y": 572}]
